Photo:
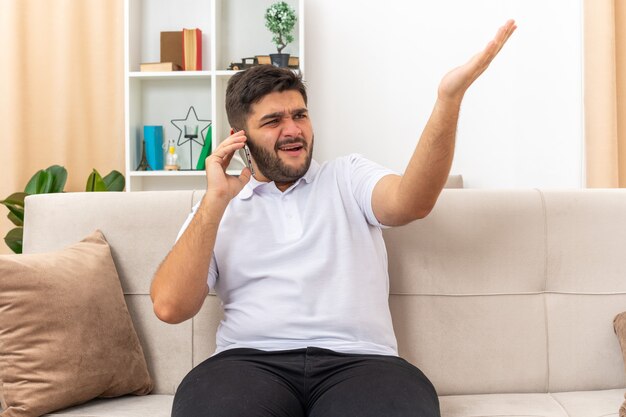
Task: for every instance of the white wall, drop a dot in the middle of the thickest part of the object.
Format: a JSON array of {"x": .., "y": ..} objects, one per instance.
[{"x": 373, "y": 68}]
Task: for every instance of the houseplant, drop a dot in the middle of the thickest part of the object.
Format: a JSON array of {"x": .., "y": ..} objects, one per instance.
[
  {"x": 50, "y": 180},
  {"x": 280, "y": 19}
]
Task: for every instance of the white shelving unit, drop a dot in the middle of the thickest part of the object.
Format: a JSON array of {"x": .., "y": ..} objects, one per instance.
[{"x": 231, "y": 30}]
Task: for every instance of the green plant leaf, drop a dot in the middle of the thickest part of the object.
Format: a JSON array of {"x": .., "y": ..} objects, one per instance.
[
  {"x": 36, "y": 182},
  {"x": 95, "y": 182},
  {"x": 114, "y": 181},
  {"x": 49, "y": 180},
  {"x": 47, "y": 183},
  {"x": 59, "y": 178},
  {"x": 14, "y": 239},
  {"x": 15, "y": 204},
  {"x": 280, "y": 19},
  {"x": 16, "y": 199},
  {"x": 17, "y": 212},
  {"x": 15, "y": 219}
]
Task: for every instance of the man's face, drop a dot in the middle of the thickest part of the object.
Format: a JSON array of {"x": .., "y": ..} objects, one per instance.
[{"x": 280, "y": 137}]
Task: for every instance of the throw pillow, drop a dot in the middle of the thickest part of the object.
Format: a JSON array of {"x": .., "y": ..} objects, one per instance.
[
  {"x": 619, "y": 324},
  {"x": 65, "y": 335}
]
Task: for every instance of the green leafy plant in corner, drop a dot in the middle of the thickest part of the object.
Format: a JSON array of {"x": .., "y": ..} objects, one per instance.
[
  {"x": 45, "y": 181},
  {"x": 280, "y": 19}
]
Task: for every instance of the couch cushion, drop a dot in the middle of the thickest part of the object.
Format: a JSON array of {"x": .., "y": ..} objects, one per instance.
[
  {"x": 498, "y": 405},
  {"x": 603, "y": 403},
  {"x": 65, "y": 333},
  {"x": 564, "y": 404},
  {"x": 146, "y": 406}
]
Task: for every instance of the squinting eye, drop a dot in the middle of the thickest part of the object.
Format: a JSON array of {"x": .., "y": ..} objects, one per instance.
[
  {"x": 271, "y": 122},
  {"x": 300, "y": 116}
]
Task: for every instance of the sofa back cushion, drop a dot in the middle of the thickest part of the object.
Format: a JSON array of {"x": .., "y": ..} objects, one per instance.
[
  {"x": 509, "y": 291},
  {"x": 495, "y": 291}
]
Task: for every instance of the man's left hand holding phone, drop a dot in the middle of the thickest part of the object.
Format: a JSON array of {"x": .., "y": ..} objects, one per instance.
[{"x": 219, "y": 184}]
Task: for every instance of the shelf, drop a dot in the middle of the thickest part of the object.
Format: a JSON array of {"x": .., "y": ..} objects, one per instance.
[
  {"x": 227, "y": 73},
  {"x": 230, "y": 73},
  {"x": 167, "y": 173},
  {"x": 177, "y": 173},
  {"x": 168, "y": 75}
]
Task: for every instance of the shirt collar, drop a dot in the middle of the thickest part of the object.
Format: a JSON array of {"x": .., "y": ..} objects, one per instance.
[{"x": 253, "y": 184}]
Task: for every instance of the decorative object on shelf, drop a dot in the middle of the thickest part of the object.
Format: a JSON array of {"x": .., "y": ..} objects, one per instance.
[
  {"x": 280, "y": 19},
  {"x": 206, "y": 150},
  {"x": 245, "y": 63},
  {"x": 192, "y": 49},
  {"x": 172, "y": 47},
  {"x": 171, "y": 158},
  {"x": 46, "y": 181},
  {"x": 153, "y": 138},
  {"x": 143, "y": 164},
  {"x": 186, "y": 128},
  {"x": 294, "y": 62}
]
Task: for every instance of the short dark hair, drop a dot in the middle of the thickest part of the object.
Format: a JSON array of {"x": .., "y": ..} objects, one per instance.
[{"x": 249, "y": 86}]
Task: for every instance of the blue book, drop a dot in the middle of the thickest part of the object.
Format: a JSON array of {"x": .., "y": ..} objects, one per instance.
[{"x": 153, "y": 136}]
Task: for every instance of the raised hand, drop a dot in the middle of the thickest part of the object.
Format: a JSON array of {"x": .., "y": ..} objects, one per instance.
[
  {"x": 219, "y": 184},
  {"x": 455, "y": 83}
]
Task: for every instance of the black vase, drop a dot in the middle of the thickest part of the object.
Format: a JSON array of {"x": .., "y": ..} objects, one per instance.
[{"x": 280, "y": 60}]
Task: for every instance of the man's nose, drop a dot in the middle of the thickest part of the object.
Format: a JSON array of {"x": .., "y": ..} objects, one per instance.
[{"x": 291, "y": 128}]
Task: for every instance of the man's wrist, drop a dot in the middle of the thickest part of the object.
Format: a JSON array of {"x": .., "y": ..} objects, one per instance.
[
  {"x": 451, "y": 101},
  {"x": 213, "y": 206}
]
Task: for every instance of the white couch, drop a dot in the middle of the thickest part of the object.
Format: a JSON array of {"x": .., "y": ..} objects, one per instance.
[{"x": 505, "y": 299}]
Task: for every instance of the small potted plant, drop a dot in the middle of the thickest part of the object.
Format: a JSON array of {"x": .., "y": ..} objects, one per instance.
[{"x": 280, "y": 19}]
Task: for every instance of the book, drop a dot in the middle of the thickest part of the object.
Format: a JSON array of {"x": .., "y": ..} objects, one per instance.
[
  {"x": 294, "y": 62},
  {"x": 192, "y": 49},
  {"x": 263, "y": 59},
  {"x": 172, "y": 47},
  {"x": 159, "y": 66}
]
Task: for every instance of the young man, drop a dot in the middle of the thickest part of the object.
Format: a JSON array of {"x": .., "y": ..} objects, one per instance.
[{"x": 297, "y": 257}]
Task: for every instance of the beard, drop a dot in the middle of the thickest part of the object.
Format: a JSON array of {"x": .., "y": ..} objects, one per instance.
[{"x": 273, "y": 168}]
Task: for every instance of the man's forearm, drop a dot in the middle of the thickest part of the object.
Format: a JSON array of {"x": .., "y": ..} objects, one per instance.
[
  {"x": 180, "y": 283},
  {"x": 429, "y": 167}
]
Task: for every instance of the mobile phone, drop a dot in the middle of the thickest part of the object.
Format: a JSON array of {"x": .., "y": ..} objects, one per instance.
[
  {"x": 244, "y": 153},
  {"x": 247, "y": 158}
]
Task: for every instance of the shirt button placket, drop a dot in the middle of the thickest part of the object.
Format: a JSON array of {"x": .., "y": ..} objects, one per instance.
[{"x": 292, "y": 218}]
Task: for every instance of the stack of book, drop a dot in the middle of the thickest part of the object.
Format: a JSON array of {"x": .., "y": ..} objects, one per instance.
[{"x": 180, "y": 50}]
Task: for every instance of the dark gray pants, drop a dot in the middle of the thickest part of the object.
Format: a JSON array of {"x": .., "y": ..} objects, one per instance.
[{"x": 309, "y": 382}]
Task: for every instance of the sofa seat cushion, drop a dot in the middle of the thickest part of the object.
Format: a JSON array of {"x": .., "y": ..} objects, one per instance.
[
  {"x": 565, "y": 404},
  {"x": 128, "y": 406},
  {"x": 562, "y": 404},
  {"x": 604, "y": 403}
]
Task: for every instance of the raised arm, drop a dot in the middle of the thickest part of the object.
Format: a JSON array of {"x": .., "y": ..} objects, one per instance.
[
  {"x": 398, "y": 200},
  {"x": 180, "y": 285}
]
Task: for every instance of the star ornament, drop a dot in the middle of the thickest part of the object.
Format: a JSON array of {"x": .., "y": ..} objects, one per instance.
[{"x": 191, "y": 119}]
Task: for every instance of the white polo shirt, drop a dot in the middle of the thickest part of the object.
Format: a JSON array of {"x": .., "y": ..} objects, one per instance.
[{"x": 305, "y": 267}]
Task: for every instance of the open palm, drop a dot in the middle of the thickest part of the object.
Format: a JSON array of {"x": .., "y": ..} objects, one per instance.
[{"x": 456, "y": 82}]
